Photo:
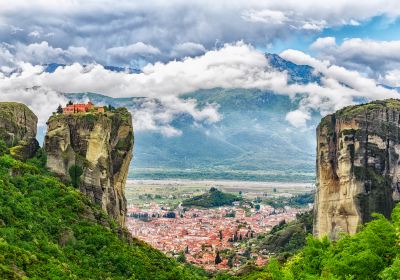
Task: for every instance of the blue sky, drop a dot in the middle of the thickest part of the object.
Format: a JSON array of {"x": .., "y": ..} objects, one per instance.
[{"x": 380, "y": 28}]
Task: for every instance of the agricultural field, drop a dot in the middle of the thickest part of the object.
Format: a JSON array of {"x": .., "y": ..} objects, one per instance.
[{"x": 172, "y": 192}]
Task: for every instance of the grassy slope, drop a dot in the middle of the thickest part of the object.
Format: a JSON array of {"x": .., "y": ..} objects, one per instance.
[{"x": 49, "y": 230}]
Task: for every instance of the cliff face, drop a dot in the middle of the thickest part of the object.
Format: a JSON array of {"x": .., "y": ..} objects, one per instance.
[
  {"x": 18, "y": 129},
  {"x": 93, "y": 151},
  {"x": 358, "y": 166}
]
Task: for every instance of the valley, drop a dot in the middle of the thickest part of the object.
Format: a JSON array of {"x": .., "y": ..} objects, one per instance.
[{"x": 160, "y": 214}]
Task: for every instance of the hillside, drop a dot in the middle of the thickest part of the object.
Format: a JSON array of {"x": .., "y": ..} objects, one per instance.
[
  {"x": 373, "y": 253},
  {"x": 50, "y": 230},
  {"x": 212, "y": 198}
]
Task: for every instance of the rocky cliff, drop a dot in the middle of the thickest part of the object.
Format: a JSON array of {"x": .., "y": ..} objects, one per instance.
[
  {"x": 358, "y": 166},
  {"x": 93, "y": 151},
  {"x": 18, "y": 129}
]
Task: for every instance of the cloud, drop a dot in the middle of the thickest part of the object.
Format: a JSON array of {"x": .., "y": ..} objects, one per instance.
[
  {"x": 236, "y": 65},
  {"x": 157, "y": 115},
  {"x": 298, "y": 118},
  {"x": 375, "y": 58},
  {"x": 35, "y": 34},
  {"x": 323, "y": 43},
  {"x": 265, "y": 16},
  {"x": 391, "y": 78},
  {"x": 188, "y": 49},
  {"x": 138, "y": 48},
  {"x": 339, "y": 86},
  {"x": 40, "y": 53},
  {"x": 233, "y": 66},
  {"x": 101, "y": 25}
]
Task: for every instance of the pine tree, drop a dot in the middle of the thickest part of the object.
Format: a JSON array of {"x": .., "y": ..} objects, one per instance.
[
  {"x": 218, "y": 258},
  {"x": 230, "y": 261},
  {"x": 59, "y": 109}
]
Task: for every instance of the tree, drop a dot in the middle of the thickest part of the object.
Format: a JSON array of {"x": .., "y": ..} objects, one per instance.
[
  {"x": 235, "y": 237},
  {"x": 181, "y": 257},
  {"x": 220, "y": 235},
  {"x": 70, "y": 103},
  {"x": 230, "y": 261},
  {"x": 3, "y": 147},
  {"x": 59, "y": 109},
  {"x": 75, "y": 172},
  {"x": 218, "y": 258}
]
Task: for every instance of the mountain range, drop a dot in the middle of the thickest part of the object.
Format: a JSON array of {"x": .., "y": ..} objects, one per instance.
[{"x": 252, "y": 141}]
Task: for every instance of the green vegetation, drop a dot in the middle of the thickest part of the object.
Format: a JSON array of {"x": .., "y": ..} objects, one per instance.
[
  {"x": 222, "y": 174},
  {"x": 373, "y": 253},
  {"x": 297, "y": 201},
  {"x": 213, "y": 198},
  {"x": 49, "y": 230},
  {"x": 285, "y": 239},
  {"x": 351, "y": 111}
]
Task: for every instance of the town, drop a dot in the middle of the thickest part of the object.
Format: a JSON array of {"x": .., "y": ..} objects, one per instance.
[{"x": 199, "y": 235}]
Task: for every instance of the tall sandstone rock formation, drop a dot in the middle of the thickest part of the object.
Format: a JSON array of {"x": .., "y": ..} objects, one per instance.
[
  {"x": 358, "y": 166},
  {"x": 18, "y": 129},
  {"x": 93, "y": 150}
]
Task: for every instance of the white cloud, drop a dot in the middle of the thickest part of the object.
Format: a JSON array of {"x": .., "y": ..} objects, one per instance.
[
  {"x": 34, "y": 34},
  {"x": 233, "y": 66},
  {"x": 41, "y": 53},
  {"x": 391, "y": 78},
  {"x": 314, "y": 25},
  {"x": 187, "y": 49},
  {"x": 339, "y": 86},
  {"x": 375, "y": 58},
  {"x": 323, "y": 43},
  {"x": 133, "y": 49},
  {"x": 102, "y": 25},
  {"x": 265, "y": 16},
  {"x": 157, "y": 115},
  {"x": 298, "y": 118}
]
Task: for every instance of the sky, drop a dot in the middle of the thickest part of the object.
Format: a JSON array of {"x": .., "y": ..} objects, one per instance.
[{"x": 183, "y": 46}]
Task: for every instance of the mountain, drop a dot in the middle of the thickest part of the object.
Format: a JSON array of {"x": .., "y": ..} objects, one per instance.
[
  {"x": 253, "y": 141},
  {"x": 51, "y": 67}
]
